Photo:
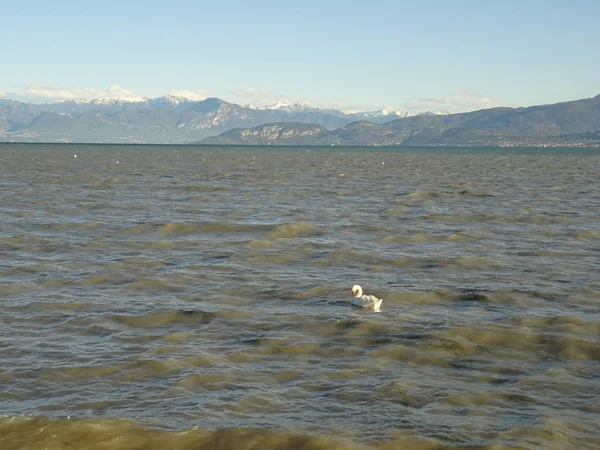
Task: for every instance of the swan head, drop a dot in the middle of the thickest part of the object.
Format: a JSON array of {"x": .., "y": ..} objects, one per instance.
[{"x": 356, "y": 291}]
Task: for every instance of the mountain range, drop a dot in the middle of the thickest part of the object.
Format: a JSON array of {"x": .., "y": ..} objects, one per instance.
[
  {"x": 163, "y": 120},
  {"x": 574, "y": 123},
  {"x": 176, "y": 120}
]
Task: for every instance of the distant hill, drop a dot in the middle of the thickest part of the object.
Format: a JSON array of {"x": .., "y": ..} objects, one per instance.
[
  {"x": 176, "y": 120},
  {"x": 287, "y": 133},
  {"x": 163, "y": 120},
  {"x": 574, "y": 123}
]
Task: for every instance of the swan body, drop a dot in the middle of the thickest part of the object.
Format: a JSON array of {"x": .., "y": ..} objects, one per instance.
[{"x": 364, "y": 301}]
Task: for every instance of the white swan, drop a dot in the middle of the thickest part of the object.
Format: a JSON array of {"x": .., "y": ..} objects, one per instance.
[{"x": 364, "y": 301}]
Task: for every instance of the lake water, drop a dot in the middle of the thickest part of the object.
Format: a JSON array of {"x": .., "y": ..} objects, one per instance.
[{"x": 198, "y": 298}]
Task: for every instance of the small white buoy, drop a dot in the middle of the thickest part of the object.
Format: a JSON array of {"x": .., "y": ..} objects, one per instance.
[
  {"x": 75, "y": 156},
  {"x": 383, "y": 162},
  {"x": 117, "y": 162}
]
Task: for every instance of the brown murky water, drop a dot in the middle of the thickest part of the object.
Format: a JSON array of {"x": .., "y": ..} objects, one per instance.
[{"x": 197, "y": 298}]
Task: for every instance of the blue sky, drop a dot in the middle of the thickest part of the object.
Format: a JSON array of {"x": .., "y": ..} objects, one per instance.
[{"x": 423, "y": 55}]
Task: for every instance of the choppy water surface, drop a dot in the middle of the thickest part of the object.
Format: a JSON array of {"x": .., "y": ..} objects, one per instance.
[{"x": 198, "y": 298}]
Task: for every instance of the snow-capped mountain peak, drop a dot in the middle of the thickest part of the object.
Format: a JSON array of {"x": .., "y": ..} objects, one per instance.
[
  {"x": 288, "y": 106},
  {"x": 386, "y": 112},
  {"x": 170, "y": 98},
  {"x": 108, "y": 100}
]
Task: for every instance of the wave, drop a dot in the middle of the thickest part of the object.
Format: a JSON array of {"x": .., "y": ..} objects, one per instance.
[
  {"x": 449, "y": 194},
  {"x": 157, "y": 320},
  {"x": 19, "y": 242},
  {"x": 537, "y": 219},
  {"x": 126, "y": 434},
  {"x": 426, "y": 237},
  {"x": 191, "y": 228},
  {"x": 537, "y": 340},
  {"x": 587, "y": 235},
  {"x": 206, "y": 188},
  {"x": 152, "y": 285},
  {"x": 294, "y": 230},
  {"x": 73, "y": 226}
]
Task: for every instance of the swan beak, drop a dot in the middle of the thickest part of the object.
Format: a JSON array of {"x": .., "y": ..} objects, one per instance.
[{"x": 352, "y": 293}]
